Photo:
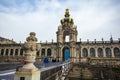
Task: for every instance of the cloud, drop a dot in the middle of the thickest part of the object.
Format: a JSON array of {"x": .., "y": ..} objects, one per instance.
[{"x": 94, "y": 18}]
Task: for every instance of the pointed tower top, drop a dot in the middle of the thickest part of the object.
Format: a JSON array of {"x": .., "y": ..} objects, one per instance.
[
  {"x": 67, "y": 13},
  {"x": 67, "y": 19},
  {"x": 111, "y": 38}
]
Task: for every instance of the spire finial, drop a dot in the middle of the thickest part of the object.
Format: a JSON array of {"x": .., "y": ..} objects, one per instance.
[
  {"x": 67, "y": 13},
  {"x": 111, "y": 39},
  {"x": 67, "y": 19}
]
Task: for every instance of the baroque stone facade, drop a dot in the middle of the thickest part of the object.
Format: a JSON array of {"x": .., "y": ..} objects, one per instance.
[{"x": 89, "y": 51}]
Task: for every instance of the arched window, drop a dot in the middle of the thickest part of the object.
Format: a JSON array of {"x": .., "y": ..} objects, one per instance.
[
  {"x": 92, "y": 52},
  {"x": 43, "y": 52},
  {"x": 108, "y": 52},
  {"x": 6, "y": 53},
  {"x": 16, "y": 52},
  {"x": 116, "y": 52},
  {"x": 48, "y": 52},
  {"x": 21, "y": 52},
  {"x": 85, "y": 52},
  {"x": 100, "y": 52},
  {"x": 11, "y": 52},
  {"x": 37, "y": 54},
  {"x": 2, "y": 51}
]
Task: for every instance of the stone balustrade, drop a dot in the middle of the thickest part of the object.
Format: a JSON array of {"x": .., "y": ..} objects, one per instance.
[{"x": 56, "y": 72}]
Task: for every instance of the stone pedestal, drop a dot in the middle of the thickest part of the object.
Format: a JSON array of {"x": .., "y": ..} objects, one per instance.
[
  {"x": 29, "y": 71},
  {"x": 27, "y": 75}
]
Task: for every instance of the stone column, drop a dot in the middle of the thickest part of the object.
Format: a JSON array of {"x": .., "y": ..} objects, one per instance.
[
  {"x": 53, "y": 53},
  {"x": 74, "y": 54},
  {"x": 104, "y": 53},
  {"x": 96, "y": 53},
  {"x": 70, "y": 52},
  {"x": 112, "y": 52},
  {"x": 77, "y": 55},
  {"x": 9, "y": 52},
  {"x": 88, "y": 52},
  {"x": 13, "y": 51},
  {"x": 81, "y": 52},
  {"x": 19, "y": 52},
  {"x": 0, "y": 51},
  {"x": 4, "y": 52},
  {"x": 39, "y": 53},
  {"x": 45, "y": 51},
  {"x": 60, "y": 55}
]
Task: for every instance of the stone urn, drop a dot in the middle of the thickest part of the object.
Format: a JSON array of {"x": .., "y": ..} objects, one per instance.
[{"x": 30, "y": 47}]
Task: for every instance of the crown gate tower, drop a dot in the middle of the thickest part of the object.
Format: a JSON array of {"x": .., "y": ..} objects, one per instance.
[{"x": 66, "y": 50}]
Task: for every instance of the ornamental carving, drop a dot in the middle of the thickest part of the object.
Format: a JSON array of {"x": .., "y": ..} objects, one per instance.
[
  {"x": 67, "y": 21},
  {"x": 32, "y": 37},
  {"x": 31, "y": 45}
]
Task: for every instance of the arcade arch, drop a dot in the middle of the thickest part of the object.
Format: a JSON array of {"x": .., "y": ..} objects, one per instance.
[
  {"x": 2, "y": 52},
  {"x": 85, "y": 52},
  {"x": 108, "y": 52},
  {"x": 16, "y": 52},
  {"x": 49, "y": 52},
  {"x": 43, "y": 52},
  {"x": 66, "y": 53},
  {"x": 92, "y": 52},
  {"x": 116, "y": 52},
  {"x": 100, "y": 52},
  {"x": 6, "y": 52},
  {"x": 21, "y": 52}
]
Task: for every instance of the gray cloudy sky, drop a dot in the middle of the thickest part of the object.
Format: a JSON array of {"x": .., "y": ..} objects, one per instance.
[{"x": 94, "y": 18}]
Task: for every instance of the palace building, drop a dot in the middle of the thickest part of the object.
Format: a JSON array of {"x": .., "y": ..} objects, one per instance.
[{"x": 89, "y": 51}]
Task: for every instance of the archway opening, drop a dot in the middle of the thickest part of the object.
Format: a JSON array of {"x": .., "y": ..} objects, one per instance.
[
  {"x": 66, "y": 53},
  {"x": 92, "y": 52},
  {"x": 67, "y": 38},
  {"x": 116, "y": 52},
  {"x": 85, "y": 52},
  {"x": 49, "y": 52},
  {"x": 108, "y": 52},
  {"x": 43, "y": 52},
  {"x": 21, "y": 52},
  {"x": 100, "y": 52}
]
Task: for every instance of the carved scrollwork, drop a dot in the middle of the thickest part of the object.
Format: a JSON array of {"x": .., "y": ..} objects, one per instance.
[
  {"x": 31, "y": 45},
  {"x": 32, "y": 37}
]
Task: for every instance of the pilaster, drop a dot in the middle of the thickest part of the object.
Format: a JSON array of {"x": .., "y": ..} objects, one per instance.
[
  {"x": 96, "y": 53},
  {"x": 9, "y": 52},
  {"x": 45, "y": 51},
  {"x": 4, "y": 52},
  {"x": 0, "y": 51},
  {"x": 88, "y": 52},
  {"x": 13, "y": 51},
  {"x": 18, "y": 51},
  {"x": 112, "y": 52},
  {"x": 81, "y": 52},
  {"x": 104, "y": 53}
]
